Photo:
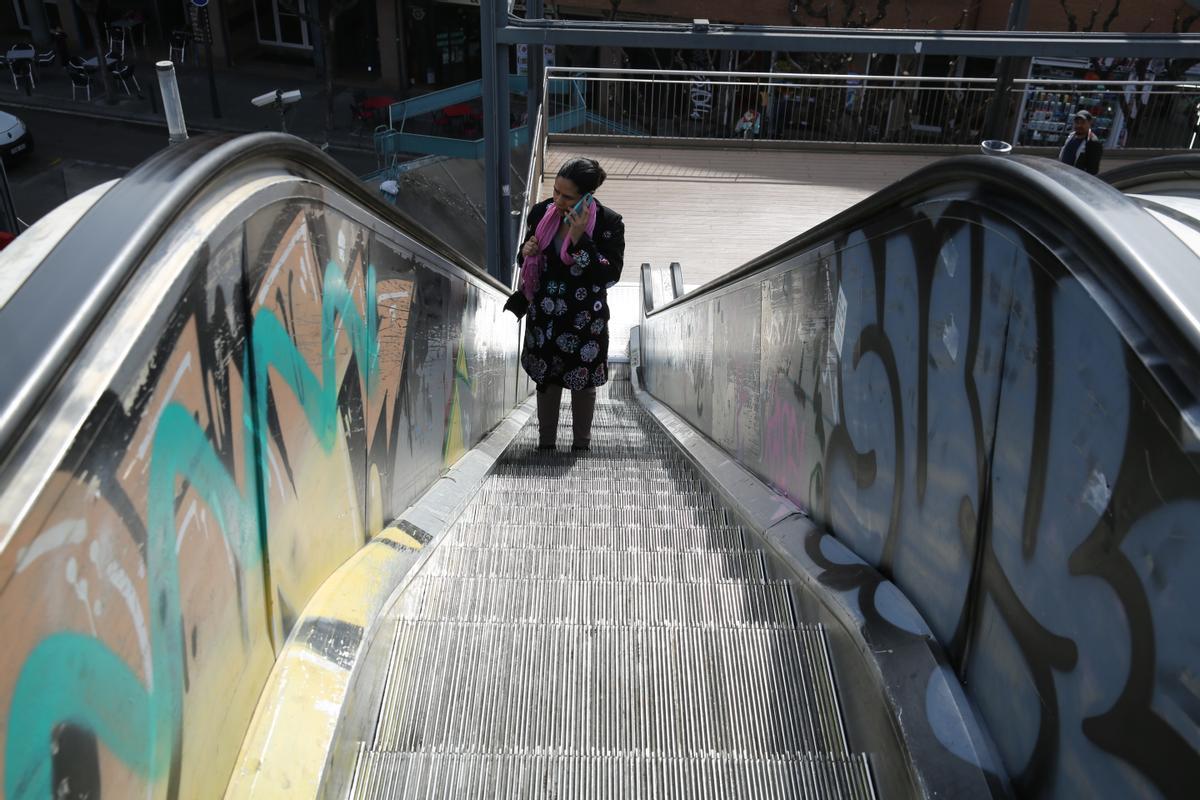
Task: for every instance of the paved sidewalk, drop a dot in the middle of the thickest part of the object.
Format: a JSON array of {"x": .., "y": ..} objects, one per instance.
[{"x": 235, "y": 88}]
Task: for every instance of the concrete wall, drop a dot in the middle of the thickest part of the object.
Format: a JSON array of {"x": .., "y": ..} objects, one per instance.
[
  {"x": 940, "y": 391},
  {"x": 306, "y": 383}
]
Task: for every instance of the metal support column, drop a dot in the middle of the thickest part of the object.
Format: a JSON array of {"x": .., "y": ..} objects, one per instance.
[
  {"x": 996, "y": 124},
  {"x": 537, "y": 72},
  {"x": 497, "y": 190}
]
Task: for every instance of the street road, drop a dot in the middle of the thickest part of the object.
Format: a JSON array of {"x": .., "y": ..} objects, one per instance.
[{"x": 73, "y": 154}]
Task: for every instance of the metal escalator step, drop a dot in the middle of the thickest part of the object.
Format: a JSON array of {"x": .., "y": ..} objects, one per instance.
[
  {"x": 598, "y": 537},
  {"x": 595, "y": 602},
  {"x": 573, "y": 517},
  {"x": 549, "y": 473},
  {"x": 560, "y": 465},
  {"x": 595, "y": 626},
  {"x": 586, "y": 486},
  {"x": 576, "y": 564},
  {"x": 581, "y": 690},
  {"x": 548, "y": 494},
  {"x": 550, "y": 776}
]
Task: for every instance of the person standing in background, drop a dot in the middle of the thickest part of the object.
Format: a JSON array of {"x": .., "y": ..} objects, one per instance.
[{"x": 1082, "y": 148}]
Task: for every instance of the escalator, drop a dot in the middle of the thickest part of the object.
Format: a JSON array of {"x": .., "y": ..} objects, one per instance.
[
  {"x": 872, "y": 516},
  {"x": 602, "y": 627}
]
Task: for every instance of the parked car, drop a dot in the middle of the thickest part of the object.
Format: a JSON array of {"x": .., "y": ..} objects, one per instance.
[{"x": 15, "y": 139}]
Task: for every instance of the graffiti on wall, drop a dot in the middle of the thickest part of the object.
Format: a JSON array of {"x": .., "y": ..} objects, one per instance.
[
  {"x": 941, "y": 394},
  {"x": 257, "y": 435}
]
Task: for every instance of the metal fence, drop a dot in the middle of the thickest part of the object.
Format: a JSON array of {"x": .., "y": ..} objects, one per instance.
[
  {"x": 867, "y": 108},
  {"x": 1131, "y": 114},
  {"x": 789, "y": 107}
]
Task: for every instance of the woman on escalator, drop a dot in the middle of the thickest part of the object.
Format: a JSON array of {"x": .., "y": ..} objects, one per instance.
[{"x": 574, "y": 250}]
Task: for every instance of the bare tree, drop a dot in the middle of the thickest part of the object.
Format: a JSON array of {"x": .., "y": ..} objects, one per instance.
[
  {"x": 1134, "y": 105},
  {"x": 1074, "y": 25}
]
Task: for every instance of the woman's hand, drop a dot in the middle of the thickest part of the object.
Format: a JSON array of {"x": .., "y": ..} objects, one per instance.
[
  {"x": 530, "y": 248},
  {"x": 578, "y": 220}
]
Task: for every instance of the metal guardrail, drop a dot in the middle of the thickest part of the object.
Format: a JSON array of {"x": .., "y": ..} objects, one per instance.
[
  {"x": 1132, "y": 114},
  {"x": 533, "y": 182},
  {"x": 852, "y": 109}
]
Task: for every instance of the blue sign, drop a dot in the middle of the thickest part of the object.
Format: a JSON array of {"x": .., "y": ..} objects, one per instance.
[{"x": 199, "y": 3}]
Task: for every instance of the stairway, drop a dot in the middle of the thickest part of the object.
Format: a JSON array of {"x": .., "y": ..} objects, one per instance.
[{"x": 598, "y": 627}]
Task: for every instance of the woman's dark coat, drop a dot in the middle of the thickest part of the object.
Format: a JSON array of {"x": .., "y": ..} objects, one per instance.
[{"x": 566, "y": 335}]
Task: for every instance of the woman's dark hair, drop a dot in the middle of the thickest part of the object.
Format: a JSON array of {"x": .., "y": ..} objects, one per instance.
[{"x": 586, "y": 173}]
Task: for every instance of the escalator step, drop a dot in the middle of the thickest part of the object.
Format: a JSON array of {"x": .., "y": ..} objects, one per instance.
[
  {"x": 597, "y": 602},
  {"x": 586, "y": 690},
  {"x": 577, "y": 486},
  {"x": 599, "y": 537},
  {"x": 598, "y": 626},
  {"x": 575, "y": 517},
  {"x": 557, "y": 465},
  {"x": 576, "y": 564},
  {"x": 534, "y": 494},
  {"x": 542, "y": 776}
]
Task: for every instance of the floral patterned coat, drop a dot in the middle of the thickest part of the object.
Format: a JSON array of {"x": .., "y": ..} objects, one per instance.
[{"x": 566, "y": 334}]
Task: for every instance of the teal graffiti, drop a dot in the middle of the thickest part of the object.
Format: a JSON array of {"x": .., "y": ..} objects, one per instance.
[
  {"x": 273, "y": 347},
  {"x": 74, "y": 678}
]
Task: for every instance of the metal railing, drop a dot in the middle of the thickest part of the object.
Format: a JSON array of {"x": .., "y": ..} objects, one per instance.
[
  {"x": 533, "y": 184},
  {"x": 853, "y": 109},
  {"x": 782, "y": 106},
  {"x": 1159, "y": 115}
]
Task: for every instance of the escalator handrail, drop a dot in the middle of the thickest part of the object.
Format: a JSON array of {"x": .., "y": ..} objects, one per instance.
[
  {"x": 1129, "y": 177},
  {"x": 50, "y": 317},
  {"x": 1152, "y": 277}
]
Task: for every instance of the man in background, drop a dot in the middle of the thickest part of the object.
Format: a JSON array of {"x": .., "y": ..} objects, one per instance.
[{"x": 1082, "y": 149}]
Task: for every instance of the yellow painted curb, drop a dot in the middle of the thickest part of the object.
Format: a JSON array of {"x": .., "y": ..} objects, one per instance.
[{"x": 288, "y": 743}]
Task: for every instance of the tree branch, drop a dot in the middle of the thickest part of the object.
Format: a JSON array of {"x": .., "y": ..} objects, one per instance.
[
  {"x": 1183, "y": 24},
  {"x": 1072, "y": 20},
  {"x": 811, "y": 10},
  {"x": 1112, "y": 16}
]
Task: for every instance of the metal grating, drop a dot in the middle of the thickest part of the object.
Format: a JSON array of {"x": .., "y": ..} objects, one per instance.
[{"x": 597, "y": 625}]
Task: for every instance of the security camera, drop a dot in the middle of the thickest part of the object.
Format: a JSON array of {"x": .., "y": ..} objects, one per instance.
[{"x": 277, "y": 98}]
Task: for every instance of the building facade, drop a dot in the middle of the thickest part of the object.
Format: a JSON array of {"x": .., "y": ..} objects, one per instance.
[{"x": 420, "y": 44}]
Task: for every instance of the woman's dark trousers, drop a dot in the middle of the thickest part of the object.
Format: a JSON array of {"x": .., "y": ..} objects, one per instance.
[{"x": 583, "y": 406}]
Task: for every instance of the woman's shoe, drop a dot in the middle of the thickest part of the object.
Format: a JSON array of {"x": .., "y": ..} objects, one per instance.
[
  {"x": 546, "y": 447},
  {"x": 579, "y": 447}
]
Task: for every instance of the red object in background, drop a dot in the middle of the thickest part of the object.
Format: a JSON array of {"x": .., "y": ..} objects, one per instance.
[
  {"x": 6, "y": 239},
  {"x": 377, "y": 102},
  {"x": 459, "y": 110}
]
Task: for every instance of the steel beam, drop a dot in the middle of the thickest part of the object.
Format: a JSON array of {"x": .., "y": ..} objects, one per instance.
[
  {"x": 846, "y": 40},
  {"x": 497, "y": 191},
  {"x": 534, "y": 10}
]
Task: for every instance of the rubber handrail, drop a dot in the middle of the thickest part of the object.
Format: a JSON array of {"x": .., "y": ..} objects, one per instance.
[
  {"x": 49, "y": 319},
  {"x": 1127, "y": 177}
]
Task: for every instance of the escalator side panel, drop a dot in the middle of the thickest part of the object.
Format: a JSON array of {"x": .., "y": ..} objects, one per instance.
[
  {"x": 1035, "y": 519},
  {"x": 310, "y": 373},
  {"x": 133, "y": 591}
]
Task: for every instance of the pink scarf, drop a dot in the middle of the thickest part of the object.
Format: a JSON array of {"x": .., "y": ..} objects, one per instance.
[{"x": 532, "y": 266}]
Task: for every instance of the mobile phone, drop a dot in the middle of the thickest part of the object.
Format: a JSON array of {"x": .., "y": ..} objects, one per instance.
[{"x": 582, "y": 203}]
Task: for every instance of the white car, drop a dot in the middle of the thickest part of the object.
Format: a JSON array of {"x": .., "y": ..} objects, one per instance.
[{"x": 15, "y": 139}]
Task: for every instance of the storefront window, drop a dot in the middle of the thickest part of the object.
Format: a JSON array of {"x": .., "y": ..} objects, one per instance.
[
  {"x": 1047, "y": 108},
  {"x": 52, "y": 17},
  {"x": 282, "y": 25}
]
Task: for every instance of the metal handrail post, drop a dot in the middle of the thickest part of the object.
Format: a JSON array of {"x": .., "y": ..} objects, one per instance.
[
  {"x": 497, "y": 195},
  {"x": 536, "y": 72}
]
